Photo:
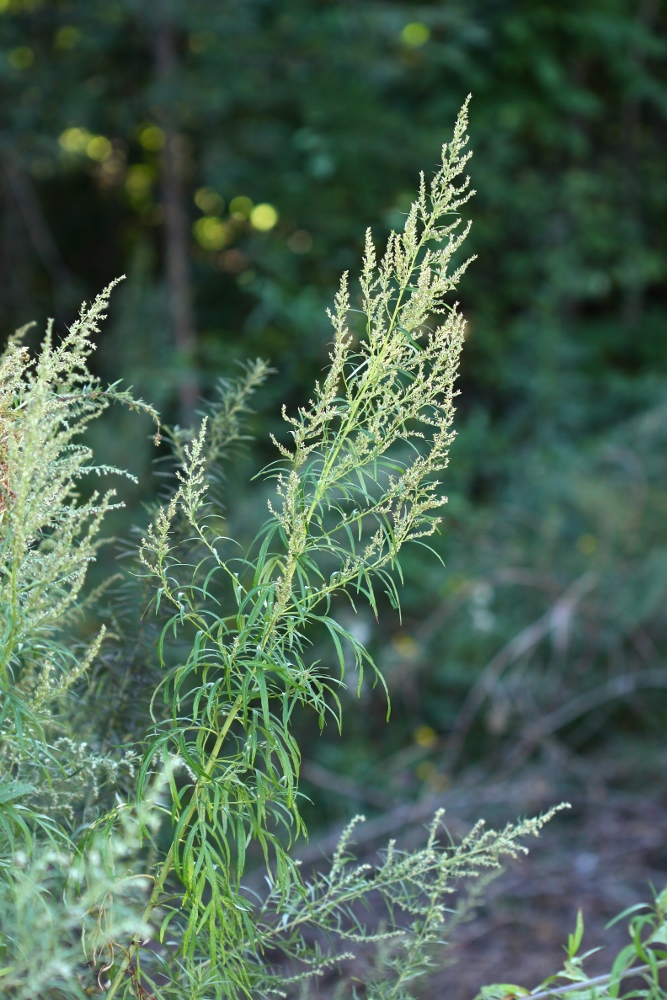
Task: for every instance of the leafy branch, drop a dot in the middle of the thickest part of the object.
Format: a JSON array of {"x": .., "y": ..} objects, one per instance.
[
  {"x": 48, "y": 539},
  {"x": 647, "y": 929}
]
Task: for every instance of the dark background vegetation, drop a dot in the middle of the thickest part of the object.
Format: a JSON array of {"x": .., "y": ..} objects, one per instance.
[{"x": 140, "y": 137}]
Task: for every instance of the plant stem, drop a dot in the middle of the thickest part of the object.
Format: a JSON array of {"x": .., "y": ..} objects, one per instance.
[
  {"x": 638, "y": 970},
  {"x": 168, "y": 862}
]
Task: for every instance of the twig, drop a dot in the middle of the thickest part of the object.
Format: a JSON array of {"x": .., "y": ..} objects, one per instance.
[
  {"x": 597, "y": 981},
  {"x": 341, "y": 785},
  {"x": 555, "y": 620},
  {"x": 579, "y": 705},
  {"x": 508, "y": 576}
]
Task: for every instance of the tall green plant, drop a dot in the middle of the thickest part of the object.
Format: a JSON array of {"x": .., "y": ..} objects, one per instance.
[
  {"x": 221, "y": 764},
  {"x": 358, "y": 480}
]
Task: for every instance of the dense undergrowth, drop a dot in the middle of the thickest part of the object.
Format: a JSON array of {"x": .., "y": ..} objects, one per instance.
[{"x": 146, "y": 770}]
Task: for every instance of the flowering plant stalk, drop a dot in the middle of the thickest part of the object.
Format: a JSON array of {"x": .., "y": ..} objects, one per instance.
[{"x": 356, "y": 478}]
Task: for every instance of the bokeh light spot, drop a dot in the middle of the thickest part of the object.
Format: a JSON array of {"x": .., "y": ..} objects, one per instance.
[
  {"x": 152, "y": 138},
  {"x": 67, "y": 37},
  {"x": 209, "y": 201},
  {"x": 263, "y": 217},
  {"x": 425, "y": 770},
  {"x": 99, "y": 148},
  {"x": 21, "y": 57},
  {"x": 300, "y": 241},
  {"x": 405, "y": 645},
  {"x": 75, "y": 139},
  {"x": 587, "y": 544},
  {"x": 139, "y": 181},
  {"x": 211, "y": 232},
  {"x": 241, "y": 206},
  {"x": 425, "y": 736},
  {"x": 233, "y": 261},
  {"x": 113, "y": 168},
  {"x": 246, "y": 277},
  {"x": 415, "y": 34}
]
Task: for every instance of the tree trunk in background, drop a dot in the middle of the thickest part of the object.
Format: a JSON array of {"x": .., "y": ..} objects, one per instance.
[
  {"x": 37, "y": 228},
  {"x": 176, "y": 226},
  {"x": 14, "y": 260}
]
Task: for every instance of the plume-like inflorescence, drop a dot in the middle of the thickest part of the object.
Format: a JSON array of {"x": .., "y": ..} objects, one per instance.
[{"x": 49, "y": 535}]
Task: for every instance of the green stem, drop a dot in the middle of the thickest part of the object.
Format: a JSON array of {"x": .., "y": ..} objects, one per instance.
[{"x": 168, "y": 862}]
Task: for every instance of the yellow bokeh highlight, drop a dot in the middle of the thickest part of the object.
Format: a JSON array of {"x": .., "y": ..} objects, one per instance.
[
  {"x": 405, "y": 645},
  {"x": 99, "y": 148},
  {"x": 209, "y": 201},
  {"x": 21, "y": 57},
  {"x": 436, "y": 781},
  {"x": 415, "y": 34},
  {"x": 211, "y": 232},
  {"x": 425, "y": 737},
  {"x": 75, "y": 140},
  {"x": 4, "y": 5},
  {"x": 241, "y": 206},
  {"x": 456, "y": 583},
  {"x": 425, "y": 770},
  {"x": 587, "y": 544},
  {"x": 263, "y": 217},
  {"x": 152, "y": 138},
  {"x": 67, "y": 37},
  {"x": 80, "y": 140},
  {"x": 139, "y": 181}
]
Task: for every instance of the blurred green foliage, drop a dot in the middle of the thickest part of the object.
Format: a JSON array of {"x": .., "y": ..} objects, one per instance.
[{"x": 291, "y": 126}]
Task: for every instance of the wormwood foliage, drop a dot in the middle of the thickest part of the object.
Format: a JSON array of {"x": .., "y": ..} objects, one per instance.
[
  {"x": 414, "y": 889},
  {"x": 48, "y": 538},
  {"x": 356, "y": 478},
  {"x": 359, "y": 480}
]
